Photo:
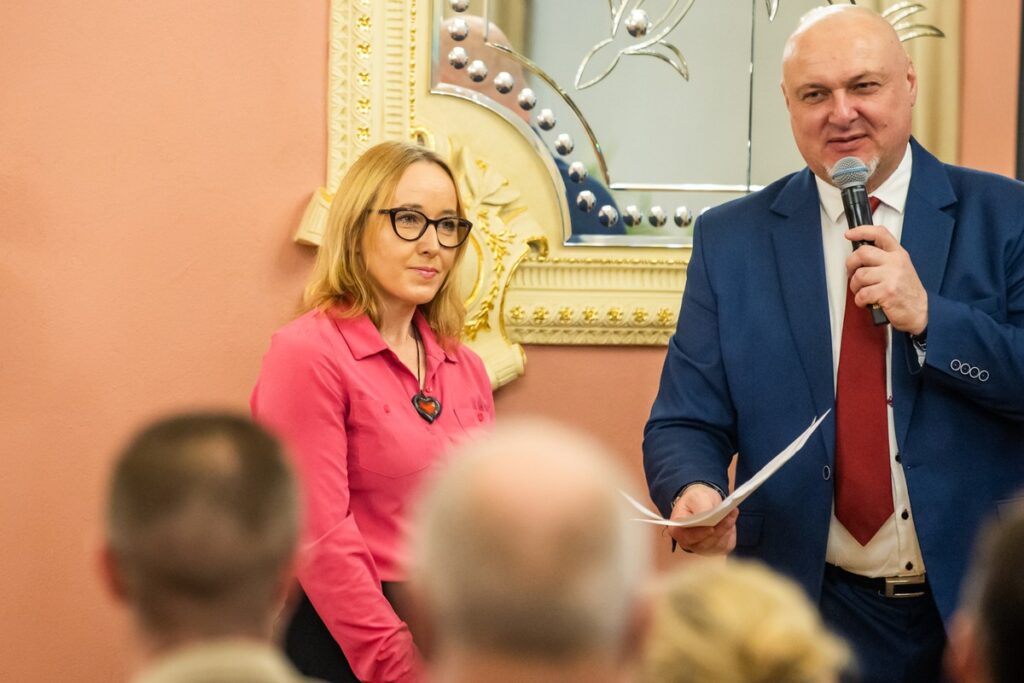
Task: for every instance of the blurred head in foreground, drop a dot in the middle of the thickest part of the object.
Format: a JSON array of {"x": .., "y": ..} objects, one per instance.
[
  {"x": 985, "y": 634},
  {"x": 202, "y": 523},
  {"x": 526, "y": 562},
  {"x": 737, "y": 622}
]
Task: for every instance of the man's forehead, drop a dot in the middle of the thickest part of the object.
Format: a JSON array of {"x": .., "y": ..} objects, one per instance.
[
  {"x": 836, "y": 34},
  {"x": 841, "y": 58}
]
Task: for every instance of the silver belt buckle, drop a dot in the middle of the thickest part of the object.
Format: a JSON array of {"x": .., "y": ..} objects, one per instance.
[{"x": 892, "y": 581}]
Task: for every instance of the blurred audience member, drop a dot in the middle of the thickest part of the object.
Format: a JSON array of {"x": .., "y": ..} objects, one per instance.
[
  {"x": 986, "y": 631},
  {"x": 526, "y": 565},
  {"x": 737, "y": 622},
  {"x": 202, "y": 525}
]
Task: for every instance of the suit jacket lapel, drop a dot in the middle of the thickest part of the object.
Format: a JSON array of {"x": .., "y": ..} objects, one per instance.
[
  {"x": 927, "y": 234},
  {"x": 796, "y": 239}
]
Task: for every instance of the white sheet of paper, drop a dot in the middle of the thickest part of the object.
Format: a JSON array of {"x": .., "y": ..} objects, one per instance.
[{"x": 716, "y": 514}]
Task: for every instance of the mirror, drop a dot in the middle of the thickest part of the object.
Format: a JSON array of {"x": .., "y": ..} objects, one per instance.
[{"x": 649, "y": 111}]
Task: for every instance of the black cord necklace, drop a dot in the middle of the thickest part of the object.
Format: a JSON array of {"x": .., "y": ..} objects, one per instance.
[{"x": 428, "y": 407}]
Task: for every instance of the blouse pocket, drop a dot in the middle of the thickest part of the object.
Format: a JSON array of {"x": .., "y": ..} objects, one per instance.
[
  {"x": 471, "y": 418},
  {"x": 382, "y": 442}
]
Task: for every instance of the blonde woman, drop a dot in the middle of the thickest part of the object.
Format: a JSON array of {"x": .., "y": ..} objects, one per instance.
[
  {"x": 737, "y": 622},
  {"x": 369, "y": 387}
]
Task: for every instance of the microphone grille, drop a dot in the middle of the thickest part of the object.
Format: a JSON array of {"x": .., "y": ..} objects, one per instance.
[{"x": 849, "y": 171}]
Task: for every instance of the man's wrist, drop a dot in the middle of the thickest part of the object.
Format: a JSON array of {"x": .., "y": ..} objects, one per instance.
[
  {"x": 920, "y": 339},
  {"x": 693, "y": 483}
]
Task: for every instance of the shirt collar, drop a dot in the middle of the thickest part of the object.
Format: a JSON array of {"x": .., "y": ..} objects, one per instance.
[
  {"x": 364, "y": 340},
  {"x": 892, "y": 193}
]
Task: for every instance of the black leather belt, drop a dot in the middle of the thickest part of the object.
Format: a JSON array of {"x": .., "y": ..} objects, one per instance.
[{"x": 886, "y": 586}]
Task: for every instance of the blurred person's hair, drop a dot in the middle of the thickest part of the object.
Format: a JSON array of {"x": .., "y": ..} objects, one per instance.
[
  {"x": 340, "y": 277},
  {"x": 524, "y": 548},
  {"x": 737, "y": 621},
  {"x": 202, "y": 524},
  {"x": 994, "y": 597}
]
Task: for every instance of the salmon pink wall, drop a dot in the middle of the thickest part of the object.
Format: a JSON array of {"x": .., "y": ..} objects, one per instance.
[
  {"x": 155, "y": 158},
  {"x": 990, "y": 68}
]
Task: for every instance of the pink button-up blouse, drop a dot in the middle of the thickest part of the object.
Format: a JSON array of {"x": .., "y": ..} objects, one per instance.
[{"x": 341, "y": 400}]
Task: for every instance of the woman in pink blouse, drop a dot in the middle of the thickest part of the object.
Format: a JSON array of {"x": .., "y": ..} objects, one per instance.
[{"x": 369, "y": 388}]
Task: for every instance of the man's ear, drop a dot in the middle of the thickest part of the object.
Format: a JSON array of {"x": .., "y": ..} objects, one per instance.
[
  {"x": 286, "y": 582},
  {"x": 639, "y": 626},
  {"x": 964, "y": 660},
  {"x": 111, "y": 573},
  {"x": 416, "y": 611}
]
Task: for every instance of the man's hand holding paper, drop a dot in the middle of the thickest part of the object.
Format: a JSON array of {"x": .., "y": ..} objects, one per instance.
[
  {"x": 719, "y": 539},
  {"x": 702, "y": 522}
]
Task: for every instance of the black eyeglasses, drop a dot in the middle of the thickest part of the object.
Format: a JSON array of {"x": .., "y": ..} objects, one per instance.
[{"x": 410, "y": 224}]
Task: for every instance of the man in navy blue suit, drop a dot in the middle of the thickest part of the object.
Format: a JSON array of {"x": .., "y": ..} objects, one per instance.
[{"x": 877, "y": 515}]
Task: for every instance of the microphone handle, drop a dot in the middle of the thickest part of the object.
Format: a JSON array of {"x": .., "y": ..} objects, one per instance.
[{"x": 858, "y": 212}]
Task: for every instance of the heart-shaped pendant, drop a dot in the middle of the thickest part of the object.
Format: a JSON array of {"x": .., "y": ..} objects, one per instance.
[{"x": 428, "y": 407}]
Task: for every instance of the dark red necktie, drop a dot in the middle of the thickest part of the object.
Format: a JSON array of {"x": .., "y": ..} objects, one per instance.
[{"x": 863, "y": 493}]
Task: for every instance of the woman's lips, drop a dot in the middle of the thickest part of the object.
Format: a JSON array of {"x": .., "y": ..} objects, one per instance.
[{"x": 427, "y": 273}]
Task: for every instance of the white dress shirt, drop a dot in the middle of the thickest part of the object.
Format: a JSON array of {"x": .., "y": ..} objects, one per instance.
[{"x": 894, "y": 550}]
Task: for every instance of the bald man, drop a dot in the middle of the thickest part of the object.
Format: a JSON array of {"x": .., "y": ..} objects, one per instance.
[
  {"x": 528, "y": 563},
  {"x": 876, "y": 516}
]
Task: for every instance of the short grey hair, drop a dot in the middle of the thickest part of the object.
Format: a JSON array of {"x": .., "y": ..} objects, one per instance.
[
  {"x": 202, "y": 519},
  {"x": 524, "y": 546}
]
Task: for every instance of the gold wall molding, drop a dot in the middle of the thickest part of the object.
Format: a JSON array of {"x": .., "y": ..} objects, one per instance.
[{"x": 576, "y": 300}]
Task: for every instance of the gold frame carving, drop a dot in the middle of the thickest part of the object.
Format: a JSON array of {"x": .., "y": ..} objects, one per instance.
[{"x": 525, "y": 285}]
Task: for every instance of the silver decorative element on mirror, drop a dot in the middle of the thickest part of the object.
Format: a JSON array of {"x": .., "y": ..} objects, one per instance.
[
  {"x": 458, "y": 29},
  {"x": 638, "y": 23},
  {"x": 682, "y": 217},
  {"x": 608, "y": 216},
  {"x": 657, "y": 217},
  {"x": 477, "y": 70},
  {"x": 563, "y": 144},
  {"x": 632, "y": 216},
  {"x": 504, "y": 82},
  {"x": 577, "y": 172},
  {"x": 526, "y": 99},
  {"x": 605, "y": 55},
  {"x": 546, "y": 119},
  {"x": 637, "y": 27},
  {"x": 458, "y": 57}
]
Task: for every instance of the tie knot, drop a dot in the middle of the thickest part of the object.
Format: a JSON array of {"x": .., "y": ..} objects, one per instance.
[{"x": 874, "y": 202}]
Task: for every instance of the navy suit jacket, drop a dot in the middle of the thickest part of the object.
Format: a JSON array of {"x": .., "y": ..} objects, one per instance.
[{"x": 750, "y": 366}]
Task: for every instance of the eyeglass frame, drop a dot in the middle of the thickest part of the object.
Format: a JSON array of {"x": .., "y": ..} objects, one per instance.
[{"x": 427, "y": 222}]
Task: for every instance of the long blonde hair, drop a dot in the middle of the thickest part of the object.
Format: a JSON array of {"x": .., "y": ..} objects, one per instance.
[
  {"x": 340, "y": 281},
  {"x": 737, "y": 622}
]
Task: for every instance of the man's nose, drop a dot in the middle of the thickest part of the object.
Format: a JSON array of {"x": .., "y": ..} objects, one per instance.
[{"x": 844, "y": 110}]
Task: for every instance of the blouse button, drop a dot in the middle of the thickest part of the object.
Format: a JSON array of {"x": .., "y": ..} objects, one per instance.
[
  {"x": 480, "y": 417},
  {"x": 387, "y": 408}
]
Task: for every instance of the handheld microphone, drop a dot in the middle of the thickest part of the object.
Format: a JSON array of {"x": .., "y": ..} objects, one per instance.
[{"x": 850, "y": 175}]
